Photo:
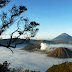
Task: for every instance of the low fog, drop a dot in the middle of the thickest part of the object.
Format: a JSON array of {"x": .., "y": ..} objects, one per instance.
[{"x": 29, "y": 60}]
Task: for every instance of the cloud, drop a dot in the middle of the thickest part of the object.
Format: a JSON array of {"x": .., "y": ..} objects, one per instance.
[{"x": 44, "y": 46}]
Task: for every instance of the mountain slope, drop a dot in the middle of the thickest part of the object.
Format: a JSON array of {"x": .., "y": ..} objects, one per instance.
[
  {"x": 61, "y": 53},
  {"x": 63, "y": 37},
  {"x": 32, "y": 47},
  {"x": 64, "y": 67}
]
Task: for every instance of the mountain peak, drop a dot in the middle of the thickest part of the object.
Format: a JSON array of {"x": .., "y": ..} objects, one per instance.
[
  {"x": 61, "y": 52},
  {"x": 65, "y": 34},
  {"x": 63, "y": 37}
]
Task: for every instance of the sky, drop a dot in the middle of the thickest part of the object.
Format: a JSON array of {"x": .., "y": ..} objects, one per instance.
[{"x": 54, "y": 16}]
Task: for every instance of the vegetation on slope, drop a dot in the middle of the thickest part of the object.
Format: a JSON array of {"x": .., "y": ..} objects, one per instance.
[
  {"x": 64, "y": 67},
  {"x": 5, "y": 68}
]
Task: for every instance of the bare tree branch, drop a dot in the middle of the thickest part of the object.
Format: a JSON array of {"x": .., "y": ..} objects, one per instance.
[
  {"x": 29, "y": 29},
  {"x": 3, "y": 3}
]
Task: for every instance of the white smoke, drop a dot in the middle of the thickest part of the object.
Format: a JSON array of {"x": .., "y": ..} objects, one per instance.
[
  {"x": 44, "y": 46},
  {"x": 50, "y": 47}
]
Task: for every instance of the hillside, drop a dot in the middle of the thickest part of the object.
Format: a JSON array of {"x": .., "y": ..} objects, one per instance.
[
  {"x": 61, "y": 53},
  {"x": 63, "y": 37},
  {"x": 32, "y": 47},
  {"x": 64, "y": 67}
]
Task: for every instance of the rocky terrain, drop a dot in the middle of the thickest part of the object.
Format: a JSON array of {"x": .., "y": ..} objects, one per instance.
[
  {"x": 32, "y": 47},
  {"x": 61, "y": 53}
]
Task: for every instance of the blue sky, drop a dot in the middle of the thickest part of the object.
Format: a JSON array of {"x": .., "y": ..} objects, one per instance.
[{"x": 54, "y": 16}]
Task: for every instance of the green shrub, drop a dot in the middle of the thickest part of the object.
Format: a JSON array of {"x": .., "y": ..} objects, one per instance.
[
  {"x": 5, "y": 68},
  {"x": 64, "y": 67}
]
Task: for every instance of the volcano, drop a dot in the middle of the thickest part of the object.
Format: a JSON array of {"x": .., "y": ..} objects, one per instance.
[
  {"x": 63, "y": 37},
  {"x": 61, "y": 52}
]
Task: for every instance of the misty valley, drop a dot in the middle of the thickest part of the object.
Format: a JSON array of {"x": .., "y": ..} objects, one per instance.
[
  {"x": 32, "y": 60},
  {"x": 22, "y": 48}
]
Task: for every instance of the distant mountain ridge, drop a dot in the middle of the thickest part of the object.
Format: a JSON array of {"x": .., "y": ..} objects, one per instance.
[{"x": 63, "y": 37}]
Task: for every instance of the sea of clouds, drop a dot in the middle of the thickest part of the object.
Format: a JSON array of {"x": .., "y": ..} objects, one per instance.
[{"x": 28, "y": 60}]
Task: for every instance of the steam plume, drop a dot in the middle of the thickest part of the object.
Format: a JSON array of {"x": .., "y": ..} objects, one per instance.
[{"x": 44, "y": 46}]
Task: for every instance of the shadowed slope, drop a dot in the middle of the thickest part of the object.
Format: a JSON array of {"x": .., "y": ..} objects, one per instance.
[{"x": 32, "y": 46}]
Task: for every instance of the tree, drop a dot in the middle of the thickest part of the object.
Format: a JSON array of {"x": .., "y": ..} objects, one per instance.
[{"x": 8, "y": 19}]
